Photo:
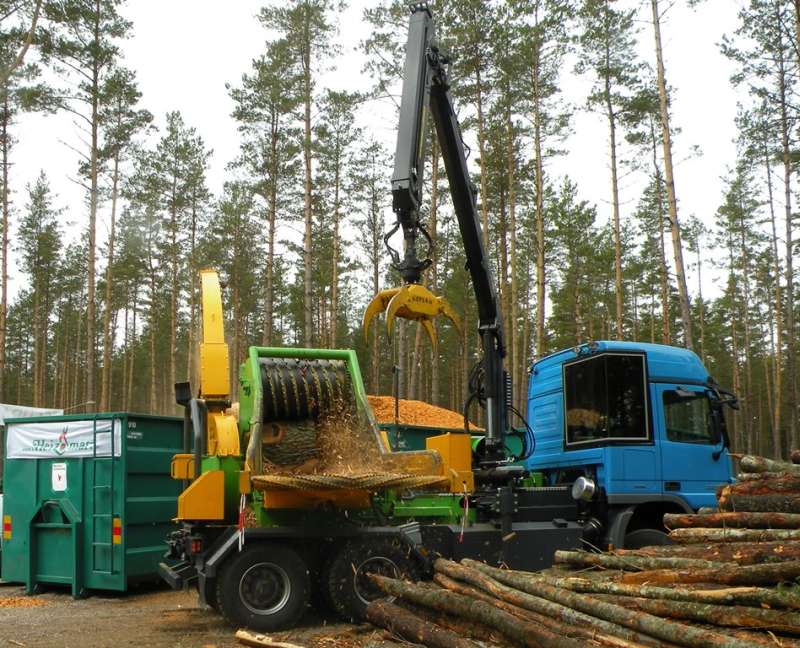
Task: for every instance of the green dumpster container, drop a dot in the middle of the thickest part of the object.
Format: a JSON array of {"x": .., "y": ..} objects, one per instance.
[{"x": 88, "y": 500}]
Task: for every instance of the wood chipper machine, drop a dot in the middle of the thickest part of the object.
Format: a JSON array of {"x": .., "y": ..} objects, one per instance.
[{"x": 297, "y": 492}]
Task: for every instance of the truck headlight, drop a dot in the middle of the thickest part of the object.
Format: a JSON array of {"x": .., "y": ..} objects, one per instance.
[{"x": 583, "y": 489}]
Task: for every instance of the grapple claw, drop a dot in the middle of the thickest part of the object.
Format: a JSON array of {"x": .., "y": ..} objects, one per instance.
[
  {"x": 377, "y": 305},
  {"x": 412, "y": 302}
]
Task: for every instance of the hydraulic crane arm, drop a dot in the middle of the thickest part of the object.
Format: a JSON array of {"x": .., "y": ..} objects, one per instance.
[{"x": 425, "y": 86}]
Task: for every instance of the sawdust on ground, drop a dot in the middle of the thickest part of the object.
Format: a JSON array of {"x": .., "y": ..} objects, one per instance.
[
  {"x": 21, "y": 602},
  {"x": 416, "y": 413}
]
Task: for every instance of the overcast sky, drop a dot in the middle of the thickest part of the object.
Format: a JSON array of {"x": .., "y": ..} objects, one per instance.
[{"x": 185, "y": 51}]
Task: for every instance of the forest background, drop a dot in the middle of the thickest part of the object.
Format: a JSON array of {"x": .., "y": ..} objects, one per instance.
[{"x": 602, "y": 217}]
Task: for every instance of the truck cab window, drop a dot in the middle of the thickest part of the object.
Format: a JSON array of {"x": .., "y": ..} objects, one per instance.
[
  {"x": 605, "y": 400},
  {"x": 688, "y": 418}
]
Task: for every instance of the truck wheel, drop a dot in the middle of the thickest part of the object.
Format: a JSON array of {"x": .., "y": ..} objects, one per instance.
[
  {"x": 265, "y": 588},
  {"x": 345, "y": 581},
  {"x": 645, "y": 538}
]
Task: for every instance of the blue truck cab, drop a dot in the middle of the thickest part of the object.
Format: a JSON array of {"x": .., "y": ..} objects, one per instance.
[{"x": 639, "y": 431}]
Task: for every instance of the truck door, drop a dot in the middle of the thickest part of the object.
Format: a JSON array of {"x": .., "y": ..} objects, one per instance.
[{"x": 693, "y": 462}]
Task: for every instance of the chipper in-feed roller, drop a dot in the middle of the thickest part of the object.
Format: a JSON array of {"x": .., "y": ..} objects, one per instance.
[{"x": 297, "y": 492}]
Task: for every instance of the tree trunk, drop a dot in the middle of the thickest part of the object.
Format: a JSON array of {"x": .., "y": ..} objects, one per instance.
[
  {"x": 93, "y": 200},
  {"x": 132, "y": 352},
  {"x": 646, "y": 624},
  {"x": 672, "y": 202},
  {"x": 791, "y": 356},
  {"x": 335, "y": 259},
  {"x": 522, "y": 633},
  {"x": 629, "y": 563},
  {"x": 733, "y": 520},
  {"x": 693, "y": 536},
  {"x": 512, "y": 224},
  {"x": 6, "y": 117},
  {"x": 560, "y": 628},
  {"x": 434, "y": 232},
  {"x": 272, "y": 216},
  {"x": 743, "y": 553},
  {"x": 612, "y": 133},
  {"x": 755, "y": 464},
  {"x": 481, "y": 150},
  {"x": 751, "y": 596},
  {"x": 105, "y": 388},
  {"x": 403, "y": 623},
  {"x": 770, "y": 574},
  {"x": 734, "y": 616},
  {"x": 308, "y": 330},
  {"x": 666, "y": 317},
  {"x": 538, "y": 188}
]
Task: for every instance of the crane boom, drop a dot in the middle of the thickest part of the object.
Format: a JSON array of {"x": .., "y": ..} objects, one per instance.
[{"x": 426, "y": 87}]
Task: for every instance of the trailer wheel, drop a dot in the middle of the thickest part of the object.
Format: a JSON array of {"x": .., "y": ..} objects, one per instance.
[
  {"x": 345, "y": 581},
  {"x": 645, "y": 538},
  {"x": 265, "y": 588}
]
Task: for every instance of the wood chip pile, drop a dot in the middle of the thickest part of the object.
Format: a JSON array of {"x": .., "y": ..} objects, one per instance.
[
  {"x": 728, "y": 581},
  {"x": 415, "y": 413}
]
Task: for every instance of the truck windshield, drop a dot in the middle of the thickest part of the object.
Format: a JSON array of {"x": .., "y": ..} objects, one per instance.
[
  {"x": 688, "y": 418},
  {"x": 605, "y": 400}
]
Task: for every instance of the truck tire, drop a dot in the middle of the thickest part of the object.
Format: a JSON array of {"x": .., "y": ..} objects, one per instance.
[
  {"x": 645, "y": 538},
  {"x": 265, "y": 587},
  {"x": 344, "y": 584},
  {"x": 210, "y": 593}
]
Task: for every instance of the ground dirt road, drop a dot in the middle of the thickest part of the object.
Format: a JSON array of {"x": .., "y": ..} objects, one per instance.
[{"x": 148, "y": 616}]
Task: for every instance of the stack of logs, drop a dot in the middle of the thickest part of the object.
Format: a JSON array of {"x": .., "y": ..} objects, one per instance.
[{"x": 728, "y": 580}]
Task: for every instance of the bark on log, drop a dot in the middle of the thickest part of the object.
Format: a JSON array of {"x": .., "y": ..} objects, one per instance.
[
  {"x": 743, "y": 553},
  {"x": 733, "y": 520},
  {"x": 640, "y": 621},
  {"x": 694, "y": 536},
  {"x": 568, "y": 630},
  {"x": 776, "y": 503},
  {"x": 752, "y": 463},
  {"x": 769, "y": 574},
  {"x": 405, "y": 624},
  {"x": 463, "y": 627},
  {"x": 779, "y": 483},
  {"x": 526, "y": 634},
  {"x": 749, "y": 596},
  {"x": 734, "y": 616},
  {"x": 540, "y": 605},
  {"x": 765, "y": 476},
  {"x": 631, "y": 563}
]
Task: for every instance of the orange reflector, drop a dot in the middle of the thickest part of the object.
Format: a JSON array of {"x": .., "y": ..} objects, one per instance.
[
  {"x": 116, "y": 531},
  {"x": 6, "y": 527}
]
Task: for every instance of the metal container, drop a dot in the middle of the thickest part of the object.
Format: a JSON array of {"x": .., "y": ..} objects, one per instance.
[{"x": 88, "y": 499}]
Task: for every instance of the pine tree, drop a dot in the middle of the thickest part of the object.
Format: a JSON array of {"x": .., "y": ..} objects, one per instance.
[
  {"x": 39, "y": 241},
  {"x": 82, "y": 39},
  {"x": 121, "y": 120}
]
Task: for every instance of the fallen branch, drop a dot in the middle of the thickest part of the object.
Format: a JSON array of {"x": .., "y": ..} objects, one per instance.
[
  {"x": 631, "y": 563},
  {"x": 403, "y": 623},
  {"x": 733, "y": 520},
  {"x": 526, "y": 634},
  {"x": 769, "y": 574},
  {"x": 261, "y": 641},
  {"x": 642, "y": 622}
]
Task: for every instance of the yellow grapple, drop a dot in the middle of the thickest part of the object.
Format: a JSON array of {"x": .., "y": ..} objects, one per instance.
[{"x": 412, "y": 302}]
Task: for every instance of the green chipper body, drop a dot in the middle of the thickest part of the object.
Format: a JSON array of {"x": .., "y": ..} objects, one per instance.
[{"x": 86, "y": 507}]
